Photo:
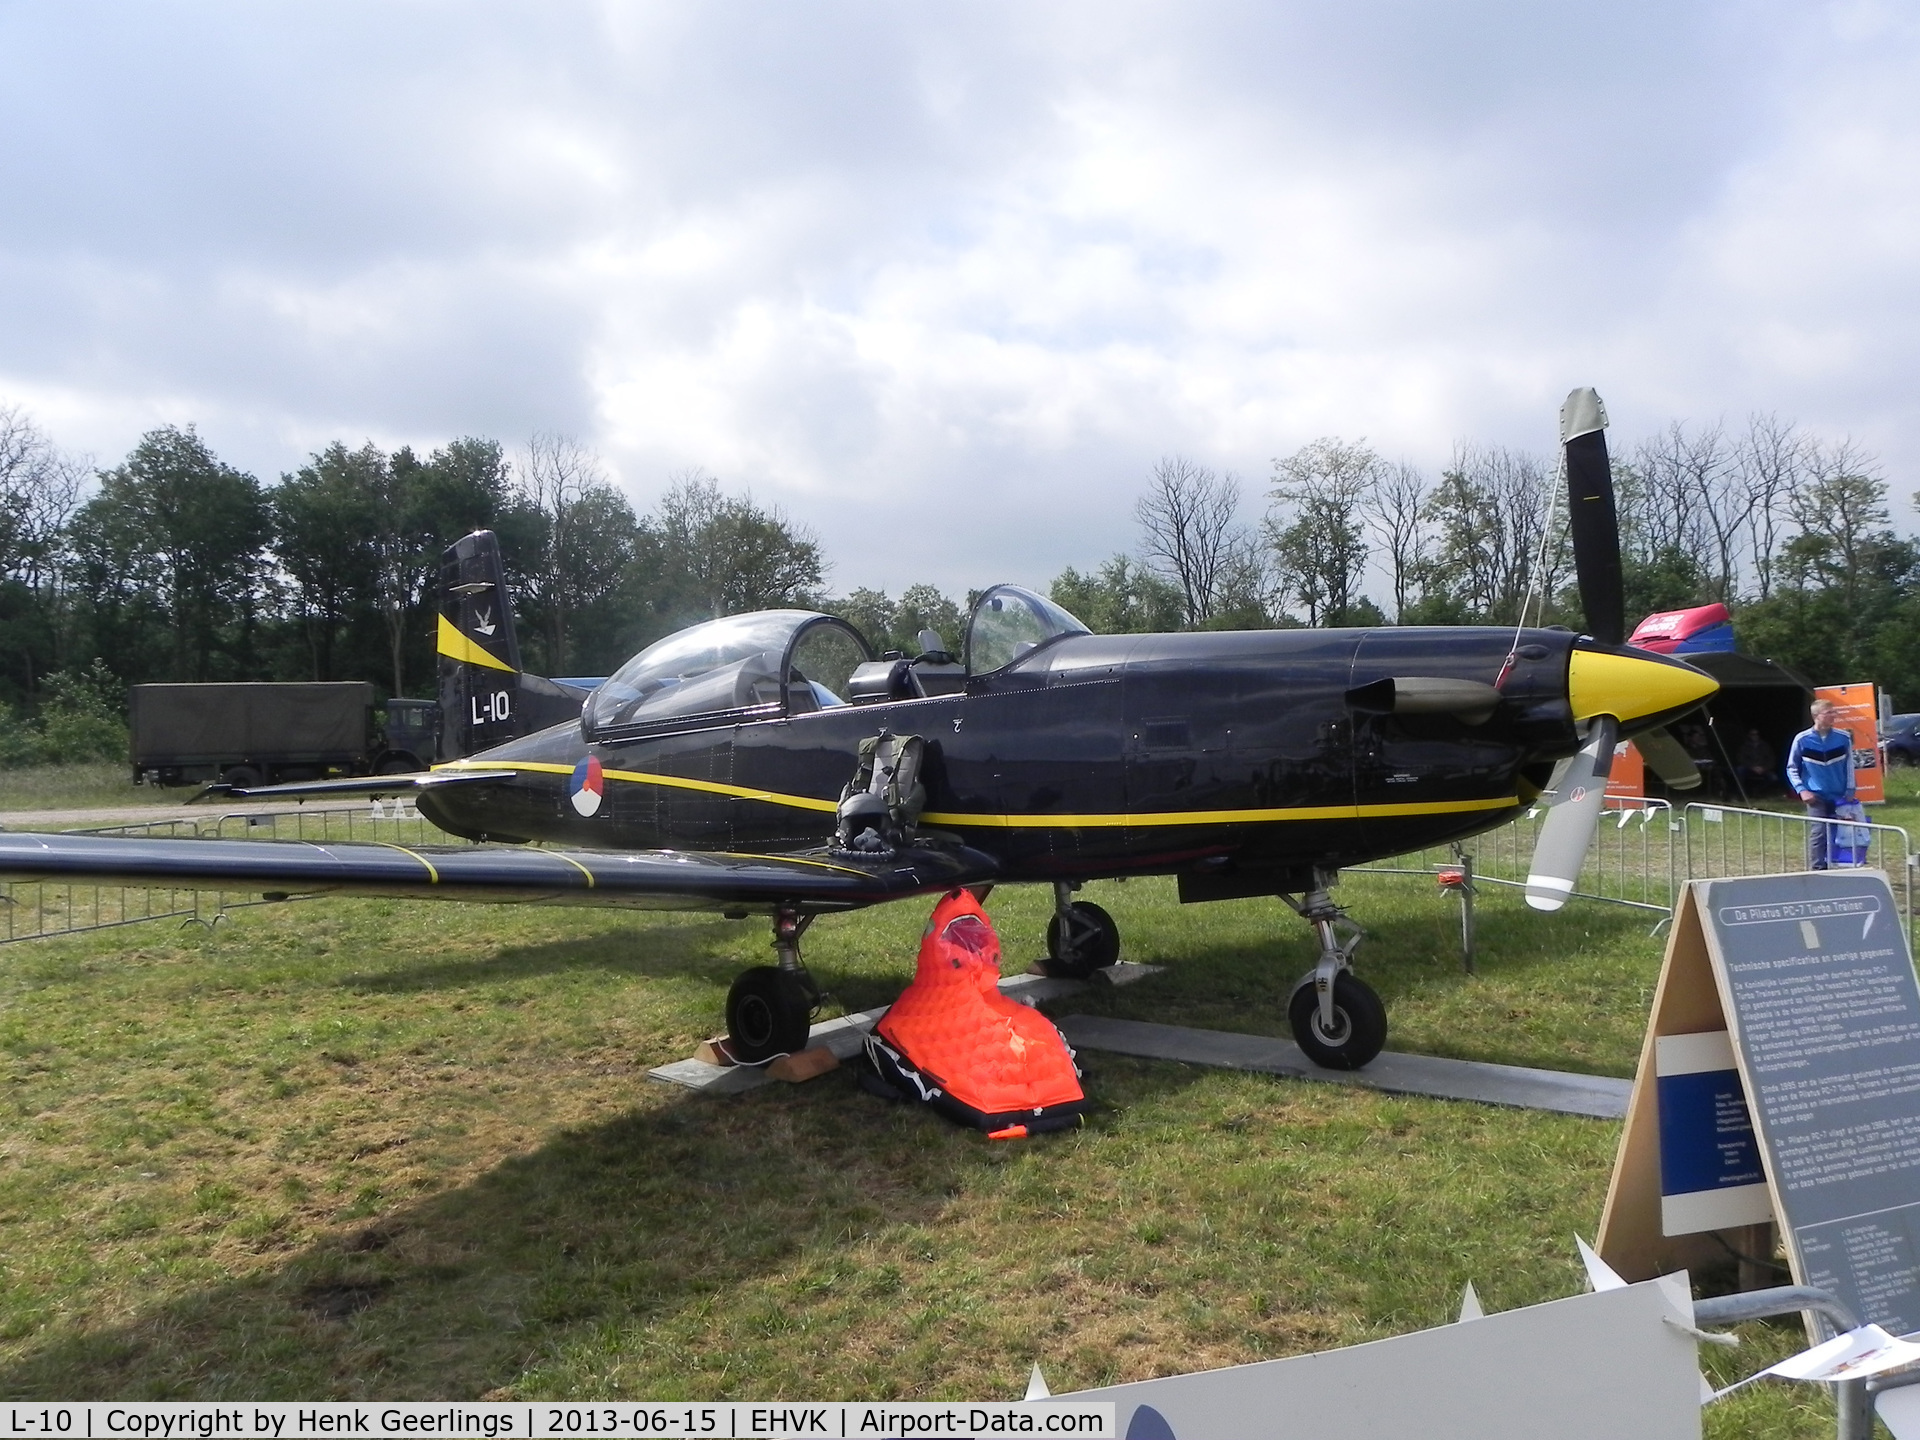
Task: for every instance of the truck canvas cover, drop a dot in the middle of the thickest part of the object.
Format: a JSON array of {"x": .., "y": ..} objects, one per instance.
[{"x": 175, "y": 723}]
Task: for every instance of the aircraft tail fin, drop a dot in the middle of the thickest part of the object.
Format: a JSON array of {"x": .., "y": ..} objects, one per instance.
[{"x": 486, "y": 699}]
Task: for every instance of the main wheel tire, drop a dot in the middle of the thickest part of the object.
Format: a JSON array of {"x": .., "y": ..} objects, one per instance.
[
  {"x": 1099, "y": 939},
  {"x": 1359, "y": 1023},
  {"x": 242, "y": 777},
  {"x": 767, "y": 1014}
]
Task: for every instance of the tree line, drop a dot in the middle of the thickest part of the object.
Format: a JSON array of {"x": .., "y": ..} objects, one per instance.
[
  {"x": 174, "y": 565},
  {"x": 1792, "y": 532}
]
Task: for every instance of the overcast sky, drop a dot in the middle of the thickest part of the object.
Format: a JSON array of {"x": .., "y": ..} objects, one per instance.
[{"x": 943, "y": 282}]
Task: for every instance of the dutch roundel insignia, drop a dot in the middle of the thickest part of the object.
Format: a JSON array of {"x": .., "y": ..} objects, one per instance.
[{"x": 586, "y": 785}]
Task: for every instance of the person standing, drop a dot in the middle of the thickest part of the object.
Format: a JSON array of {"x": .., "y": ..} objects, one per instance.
[{"x": 1820, "y": 770}]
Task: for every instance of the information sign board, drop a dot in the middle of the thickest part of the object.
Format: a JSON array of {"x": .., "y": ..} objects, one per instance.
[{"x": 1809, "y": 976}]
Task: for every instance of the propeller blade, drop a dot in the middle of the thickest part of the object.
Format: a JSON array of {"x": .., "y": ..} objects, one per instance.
[
  {"x": 1562, "y": 847},
  {"x": 1668, "y": 759},
  {"x": 1591, "y": 518}
]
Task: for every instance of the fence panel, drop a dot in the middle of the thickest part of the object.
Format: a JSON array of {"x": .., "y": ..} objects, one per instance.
[
  {"x": 1724, "y": 841},
  {"x": 1633, "y": 860},
  {"x": 33, "y": 910}
]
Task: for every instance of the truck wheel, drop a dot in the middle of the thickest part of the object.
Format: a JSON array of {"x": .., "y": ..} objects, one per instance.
[
  {"x": 398, "y": 765},
  {"x": 241, "y": 777}
]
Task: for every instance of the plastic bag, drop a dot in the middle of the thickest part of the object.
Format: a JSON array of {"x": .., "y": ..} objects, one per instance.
[{"x": 1847, "y": 842}]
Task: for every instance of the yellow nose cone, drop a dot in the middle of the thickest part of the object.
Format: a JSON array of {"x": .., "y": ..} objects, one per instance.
[{"x": 1628, "y": 686}]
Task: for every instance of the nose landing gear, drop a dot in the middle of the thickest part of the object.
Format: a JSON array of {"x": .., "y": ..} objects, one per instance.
[
  {"x": 1081, "y": 937},
  {"x": 770, "y": 1007},
  {"x": 1338, "y": 1021}
]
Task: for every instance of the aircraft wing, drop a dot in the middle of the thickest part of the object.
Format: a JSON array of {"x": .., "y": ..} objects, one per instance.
[{"x": 816, "y": 880}]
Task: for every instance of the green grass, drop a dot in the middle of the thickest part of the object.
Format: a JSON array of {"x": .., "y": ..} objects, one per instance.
[
  {"x": 360, "y": 1148},
  {"x": 74, "y": 787}
]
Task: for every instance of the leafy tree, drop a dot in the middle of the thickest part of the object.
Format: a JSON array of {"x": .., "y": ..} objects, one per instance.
[
  {"x": 39, "y": 491},
  {"x": 716, "y": 554},
  {"x": 575, "y": 542},
  {"x": 1322, "y": 551},
  {"x": 1489, "y": 552},
  {"x": 326, "y": 516},
  {"x": 1846, "y": 596},
  {"x": 923, "y": 607},
  {"x": 1122, "y": 597},
  {"x": 870, "y": 612},
  {"x": 82, "y": 717},
  {"x": 172, "y": 550}
]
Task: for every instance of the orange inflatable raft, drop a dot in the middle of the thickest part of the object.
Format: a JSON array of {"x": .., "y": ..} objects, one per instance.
[{"x": 954, "y": 1042}]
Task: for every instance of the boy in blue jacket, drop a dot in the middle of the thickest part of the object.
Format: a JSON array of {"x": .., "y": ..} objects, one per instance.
[{"x": 1820, "y": 770}]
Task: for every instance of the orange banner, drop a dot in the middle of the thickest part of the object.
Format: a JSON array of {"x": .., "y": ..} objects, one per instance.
[
  {"x": 1857, "y": 711},
  {"x": 1627, "y": 780}
]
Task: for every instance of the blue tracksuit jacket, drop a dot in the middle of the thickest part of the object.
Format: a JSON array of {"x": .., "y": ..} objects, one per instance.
[{"x": 1824, "y": 766}]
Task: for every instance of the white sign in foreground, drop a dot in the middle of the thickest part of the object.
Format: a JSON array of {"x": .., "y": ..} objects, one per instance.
[
  {"x": 626, "y": 1420},
  {"x": 1594, "y": 1367}
]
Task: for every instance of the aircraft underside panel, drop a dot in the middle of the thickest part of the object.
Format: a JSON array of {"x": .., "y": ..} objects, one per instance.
[{"x": 648, "y": 879}]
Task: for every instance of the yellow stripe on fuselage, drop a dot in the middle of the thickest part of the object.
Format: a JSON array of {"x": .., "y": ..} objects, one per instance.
[{"x": 1141, "y": 820}]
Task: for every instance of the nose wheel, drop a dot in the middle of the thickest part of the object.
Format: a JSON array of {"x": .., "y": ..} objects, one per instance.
[
  {"x": 770, "y": 1007},
  {"x": 1081, "y": 937},
  {"x": 1338, "y": 1021},
  {"x": 1356, "y": 1033}
]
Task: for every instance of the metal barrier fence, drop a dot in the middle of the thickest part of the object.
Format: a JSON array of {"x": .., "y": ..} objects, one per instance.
[
  {"x": 1641, "y": 854},
  {"x": 1632, "y": 861},
  {"x": 1644, "y": 851},
  {"x": 33, "y": 910},
  {"x": 1722, "y": 840}
]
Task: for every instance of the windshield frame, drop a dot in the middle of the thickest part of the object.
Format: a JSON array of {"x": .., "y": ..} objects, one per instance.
[
  {"x": 1035, "y": 601},
  {"x": 797, "y": 623}
]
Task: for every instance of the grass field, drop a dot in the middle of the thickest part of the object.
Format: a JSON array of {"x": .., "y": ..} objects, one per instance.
[
  {"x": 61, "y": 787},
  {"x": 368, "y": 1149}
]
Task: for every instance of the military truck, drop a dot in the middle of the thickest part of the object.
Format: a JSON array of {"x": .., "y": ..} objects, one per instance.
[{"x": 265, "y": 733}]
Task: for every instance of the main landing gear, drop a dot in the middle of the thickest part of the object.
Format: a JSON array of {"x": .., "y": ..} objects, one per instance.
[
  {"x": 1081, "y": 936},
  {"x": 770, "y": 1007},
  {"x": 1337, "y": 1019}
]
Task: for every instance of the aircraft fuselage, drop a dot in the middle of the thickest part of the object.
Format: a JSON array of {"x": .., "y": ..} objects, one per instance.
[{"x": 1099, "y": 755}]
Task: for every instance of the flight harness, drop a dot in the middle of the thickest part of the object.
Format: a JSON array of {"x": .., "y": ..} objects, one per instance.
[{"x": 954, "y": 1042}]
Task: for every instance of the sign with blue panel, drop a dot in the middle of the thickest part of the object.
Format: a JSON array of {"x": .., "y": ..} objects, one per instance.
[
  {"x": 1781, "y": 1077},
  {"x": 1711, "y": 1177}
]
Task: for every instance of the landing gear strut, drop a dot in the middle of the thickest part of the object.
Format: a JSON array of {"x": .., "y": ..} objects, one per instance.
[
  {"x": 770, "y": 1007},
  {"x": 1081, "y": 936},
  {"x": 1337, "y": 1019}
]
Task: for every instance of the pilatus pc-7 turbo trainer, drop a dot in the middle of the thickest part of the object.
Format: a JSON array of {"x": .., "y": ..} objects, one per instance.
[{"x": 770, "y": 763}]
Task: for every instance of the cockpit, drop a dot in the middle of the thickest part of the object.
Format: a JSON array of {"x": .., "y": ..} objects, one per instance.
[{"x": 775, "y": 663}]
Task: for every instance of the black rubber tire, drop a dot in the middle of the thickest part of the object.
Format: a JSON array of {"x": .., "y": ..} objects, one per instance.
[
  {"x": 768, "y": 1010},
  {"x": 1360, "y": 1023},
  {"x": 1097, "y": 951},
  {"x": 242, "y": 777},
  {"x": 398, "y": 765}
]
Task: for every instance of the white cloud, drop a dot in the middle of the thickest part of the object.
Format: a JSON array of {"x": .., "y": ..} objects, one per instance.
[{"x": 944, "y": 284}]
